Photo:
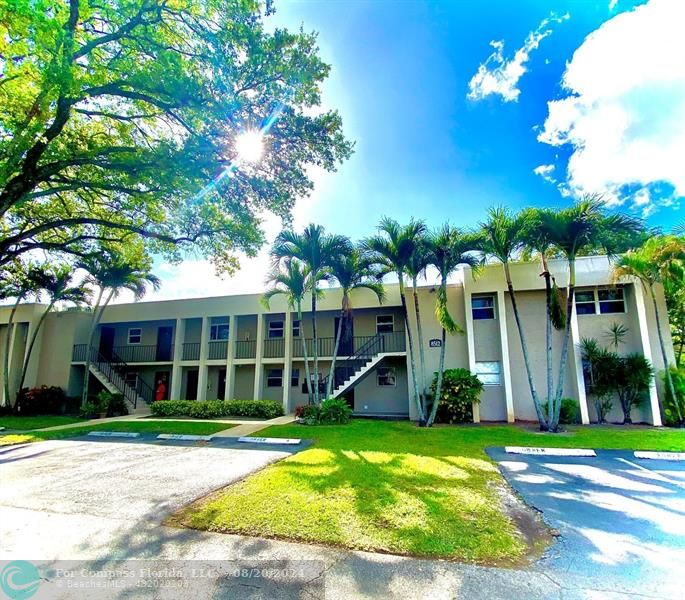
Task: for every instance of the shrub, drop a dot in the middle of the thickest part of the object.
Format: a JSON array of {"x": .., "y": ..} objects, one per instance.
[
  {"x": 311, "y": 414},
  {"x": 460, "y": 389},
  {"x": 44, "y": 400},
  {"x": 670, "y": 412},
  {"x": 599, "y": 369},
  {"x": 299, "y": 411},
  {"x": 631, "y": 381},
  {"x": 569, "y": 413},
  {"x": 332, "y": 411},
  {"x": 213, "y": 409}
]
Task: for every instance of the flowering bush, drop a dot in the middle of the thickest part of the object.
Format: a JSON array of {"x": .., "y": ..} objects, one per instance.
[{"x": 460, "y": 389}]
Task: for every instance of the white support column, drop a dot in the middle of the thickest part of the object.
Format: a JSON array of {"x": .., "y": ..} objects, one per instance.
[
  {"x": 204, "y": 348},
  {"x": 647, "y": 351},
  {"x": 259, "y": 351},
  {"x": 470, "y": 340},
  {"x": 504, "y": 350},
  {"x": 229, "y": 392},
  {"x": 578, "y": 366},
  {"x": 177, "y": 370},
  {"x": 287, "y": 360}
]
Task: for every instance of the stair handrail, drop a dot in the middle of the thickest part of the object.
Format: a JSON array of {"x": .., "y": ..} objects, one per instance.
[
  {"x": 360, "y": 357},
  {"x": 113, "y": 367}
]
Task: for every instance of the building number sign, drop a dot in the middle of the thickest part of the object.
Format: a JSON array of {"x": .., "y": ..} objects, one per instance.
[{"x": 435, "y": 343}]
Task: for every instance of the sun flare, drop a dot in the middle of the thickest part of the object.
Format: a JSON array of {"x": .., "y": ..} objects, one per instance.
[{"x": 250, "y": 146}]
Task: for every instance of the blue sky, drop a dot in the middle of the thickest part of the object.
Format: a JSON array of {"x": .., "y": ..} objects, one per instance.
[{"x": 401, "y": 73}]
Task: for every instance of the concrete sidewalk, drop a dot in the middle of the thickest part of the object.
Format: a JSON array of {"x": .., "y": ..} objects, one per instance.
[{"x": 254, "y": 427}]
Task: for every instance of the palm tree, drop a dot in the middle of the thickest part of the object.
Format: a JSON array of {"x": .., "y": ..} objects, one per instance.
[
  {"x": 416, "y": 267},
  {"x": 113, "y": 272},
  {"x": 58, "y": 287},
  {"x": 392, "y": 249},
  {"x": 316, "y": 249},
  {"x": 292, "y": 279},
  {"x": 658, "y": 259},
  {"x": 584, "y": 226},
  {"x": 503, "y": 237},
  {"x": 448, "y": 248},
  {"x": 19, "y": 282},
  {"x": 537, "y": 240},
  {"x": 352, "y": 271}
]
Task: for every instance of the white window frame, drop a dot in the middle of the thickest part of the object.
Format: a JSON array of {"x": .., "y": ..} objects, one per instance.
[
  {"x": 386, "y": 373},
  {"x": 214, "y": 331},
  {"x": 295, "y": 377},
  {"x": 597, "y": 302},
  {"x": 485, "y": 373},
  {"x": 491, "y": 297},
  {"x": 391, "y": 323},
  {"x": 270, "y": 377},
  {"x": 273, "y": 329},
  {"x": 139, "y": 335},
  {"x": 297, "y": 328}
]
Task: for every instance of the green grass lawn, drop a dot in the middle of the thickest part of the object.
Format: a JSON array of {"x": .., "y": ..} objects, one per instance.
[
  {"x": 392, "y": 487},
  {"x": 197, "y": 428},
  {"x": 24, "y": 423}
]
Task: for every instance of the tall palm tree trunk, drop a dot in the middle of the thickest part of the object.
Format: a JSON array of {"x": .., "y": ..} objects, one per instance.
[
  {"x": 555, "y": 409},
  {"x": 524, "y": 349},
  {"x": 97, "y": 315},
  {"x": 6, "y": 366},
  {"x": 305, "y": 354},
  {"x": 438, "y": 384},
  {"x": 338, "y": 335},
  {"x": 422, "y": 354},
  {"x": 32, "y": 343},
  {"x": 548, "y": 329},
  {"x": 316, "y": 347},
  {"x": 412, "y": 362},
  {"x": 664, "y": 358}
]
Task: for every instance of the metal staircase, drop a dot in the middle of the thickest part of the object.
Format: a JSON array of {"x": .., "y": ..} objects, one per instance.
[
  {"x": 354, "y": 368},
  {"x": 111, "y": 373}
]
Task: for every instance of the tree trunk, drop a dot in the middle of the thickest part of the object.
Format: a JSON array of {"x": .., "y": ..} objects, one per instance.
[
  {"x": 664, "y": 358},
  {"x": 304, "y": 354},
  {"x": 97, "y": 315},
  {"x": 8, "y": 340},
  {"x": 412, "y": 362},
  {"x": 554, "y": 419},
  {"x": 316, "y": 348},
  {"x": 438, "y": 385},
  {"x": 422, "y": 354},
  {"x": 338, "y": 334},
  {"x": 29, "y": 351},
  {"x": 524, "y": 349},
  {"x": 548, "y": 330}
]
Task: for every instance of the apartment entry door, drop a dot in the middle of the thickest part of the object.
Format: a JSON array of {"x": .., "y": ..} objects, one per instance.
[
  {"x": 346, "y": 337},
  {"x": 164, "y": 343},
  {"x": 221, "y": 387},
  {"x": 191, "y": 384},
  {"x": 162, "y": 377},
  {"x": 106, "y": 341}
]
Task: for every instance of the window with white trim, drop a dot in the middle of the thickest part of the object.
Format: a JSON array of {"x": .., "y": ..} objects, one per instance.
[
  {"x": 274, "y": 378},
  {"x": 611, "y": 301},
  {"x": 585, "y": 302},
  {"x": 385, "y": 323},
  {"x": 482, "y": 307},
  {"x": 385, "y": 377},
  {"x": 135, "y": 335},
  {"x": 218, "y": 331},
  {"x": 296, "y": 328},
  {"x": 489, "y": 372},
  {"x": 295, "y": 377},
  {"x": 602, "y": 301},
  {"x": 275, "y": 329}
]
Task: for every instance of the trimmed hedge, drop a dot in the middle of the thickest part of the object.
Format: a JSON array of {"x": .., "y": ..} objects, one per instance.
[{"x": 212, "y": 409}]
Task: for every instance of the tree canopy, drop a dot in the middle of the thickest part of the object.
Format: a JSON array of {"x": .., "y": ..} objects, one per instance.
[{"x": 121, "y": 118}]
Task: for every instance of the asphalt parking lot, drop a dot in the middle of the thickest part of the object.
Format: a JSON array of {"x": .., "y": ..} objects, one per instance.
[{"x": 620, "y": 519}]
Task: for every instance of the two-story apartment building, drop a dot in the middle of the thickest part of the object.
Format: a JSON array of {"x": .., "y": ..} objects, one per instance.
[{"x": 233, "y": 347}]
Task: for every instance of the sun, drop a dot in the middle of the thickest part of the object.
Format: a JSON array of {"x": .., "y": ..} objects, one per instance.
[{"x": 250, "y": 145}]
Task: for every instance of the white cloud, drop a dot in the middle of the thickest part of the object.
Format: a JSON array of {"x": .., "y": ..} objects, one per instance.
[
  {"x": 612, "y": 4},
  {"x": 499, "y": 75},
  {"x": 545, "y": 171},
  {"x": 624, "y": 115}
]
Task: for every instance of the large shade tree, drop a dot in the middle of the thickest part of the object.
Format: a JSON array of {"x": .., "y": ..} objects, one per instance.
[
  {"x": 317, "y": 250},
  {"x": 392, "y": 250},
  {"x": 126, "y": 118}
]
